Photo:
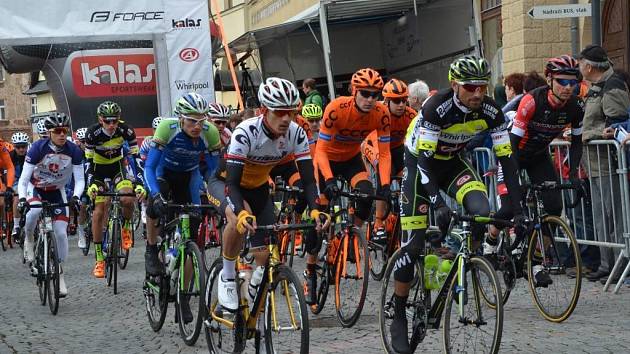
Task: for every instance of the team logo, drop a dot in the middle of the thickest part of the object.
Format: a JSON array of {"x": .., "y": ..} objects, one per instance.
[
  {"x": 53, "y": 167},
  {"x": 423, "y": 209},
  {"x": 463, "y": 179},
  {"x": 189, "y": 54}
]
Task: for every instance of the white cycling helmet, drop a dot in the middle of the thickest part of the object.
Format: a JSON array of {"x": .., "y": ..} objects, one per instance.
[
  {"x": 191, "y": 103},
  {"x": 81, "y": 132},
  {"x": 41, "y": 127},
  {"x": 276, "y": 93},
  {"x": 156, "y": 122},
  {"x": 218, "y": 111},
  {"x": 19, "y": 138}
]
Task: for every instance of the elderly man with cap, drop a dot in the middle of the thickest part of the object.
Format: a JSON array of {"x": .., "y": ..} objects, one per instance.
[{"x": 606, "y": 103}]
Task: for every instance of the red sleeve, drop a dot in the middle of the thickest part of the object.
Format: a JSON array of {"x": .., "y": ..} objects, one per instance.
[{"x": 524, "y": 114}]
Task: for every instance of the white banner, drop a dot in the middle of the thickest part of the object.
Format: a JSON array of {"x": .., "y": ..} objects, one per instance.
[
  {"x": 189, "y": 49},
  {"x": 53, "y": 21}
]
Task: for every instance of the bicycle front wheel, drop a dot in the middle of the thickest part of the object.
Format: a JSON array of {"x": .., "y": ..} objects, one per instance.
[
  {"x": 156, "y": 293},
  {"x": 351, "y": 277},
  {"x": 286, "y": 316},
  {"x": 472, "y": 324},
  {"x": 557, "y": 298},
  {"x": 190, "y": 297},
  {"x": 52, "y": 274},
  {"x": 378, "y": 254}
]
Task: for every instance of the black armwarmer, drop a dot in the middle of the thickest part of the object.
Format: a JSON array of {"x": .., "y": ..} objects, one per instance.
[
  {"x": 233, "y": 186},
  {"x": 575, "y": 154},
  {"x": 307, "y": 175}
]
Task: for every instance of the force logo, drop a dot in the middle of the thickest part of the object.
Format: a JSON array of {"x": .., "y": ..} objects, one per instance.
[
  {"x": 463, "y": 179},
  {"x": 189, "y": 54}
]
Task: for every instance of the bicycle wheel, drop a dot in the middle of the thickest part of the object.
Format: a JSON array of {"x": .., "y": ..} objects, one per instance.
[
  {"x": 2, "y": 241},
  {"x": 123, "y": 258},
  {"x": 474, "y": 326},
  {"x": 52, "y": 274},
  {"x": 190, "y": 290},
  {"x": 42, "y": 285},
  {"x": 556, "y": 301},
  {"x": 88, "y": 239},
  {"x": 417, "y": 302},
  {"x": 9, "y": 229},
  {"x": 505, "y": 268},
  {"x": 286, "y": 316},
  {"x": 156, "y": 293},
  {"x": 222, "y": 337},
  {"x": 378, "y": 255},
  {"x": 351, "y": 277}
]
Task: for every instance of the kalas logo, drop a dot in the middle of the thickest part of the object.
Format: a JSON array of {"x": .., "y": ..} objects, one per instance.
[
  {"x": 189, "y": 54},
  {"x": 187, "y": 23},
  {"x": 108, "y": 16},
  {"x": 113, "y": 75}
]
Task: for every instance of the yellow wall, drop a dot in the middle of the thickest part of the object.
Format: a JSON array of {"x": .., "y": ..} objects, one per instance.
[
  {"x": 45, "y": 103},
  {"x": 265, "y": 13}
]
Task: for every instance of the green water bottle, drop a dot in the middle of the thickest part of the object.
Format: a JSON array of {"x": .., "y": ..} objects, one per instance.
[
  {"x": 443, "y": 270},
  {"x": 430, "y": 272}
]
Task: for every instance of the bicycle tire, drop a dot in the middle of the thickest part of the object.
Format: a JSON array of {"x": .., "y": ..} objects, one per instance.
[
  {"x": 474, "y": 266},
  {"x": 505, "y": 268},
  {"x": 349, "y": 318},
  {"x": 218, "y": 336},
  {"x": 157, "y": 308},
  {"x": 4, "y": 247},
  {"x": 42, "y": 285},
  {"x": 191, "y": 251},
  {"x": 123, "y": 258},
  {"x": 9, "y": 229},
  {"x": 88, "y": 239},
  {"x": 325, "y": 276},
  {"x": 378, "y": 255},
  {"x": 52, "y": 274},
  {"x": 558, "y": 274},
  {"x": 289, "y": 284},
  {"x": 416, "y": 322}
]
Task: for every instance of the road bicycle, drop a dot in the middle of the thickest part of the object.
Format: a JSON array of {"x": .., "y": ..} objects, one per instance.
[
  {"x": 210, "y": 233},
  {"x": 473, "y": 318},
  {"x": 288, "y": 215},
  {"x": 6, "y": 222}
]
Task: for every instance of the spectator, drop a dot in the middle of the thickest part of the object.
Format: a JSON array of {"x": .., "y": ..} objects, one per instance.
[
  {"x": 607, "y": 101},
  {"x": 235, "y": 119},
  {"x": 418, "y": 93},
  {"x": 499, "y": 95},
  {"x": 532, "y": 81},
  {"x": 312, "y": 95},
  {"x": 513, "y": 85}
]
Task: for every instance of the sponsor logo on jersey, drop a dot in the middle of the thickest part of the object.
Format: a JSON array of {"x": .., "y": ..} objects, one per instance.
[{"x": 463, "y": 179}]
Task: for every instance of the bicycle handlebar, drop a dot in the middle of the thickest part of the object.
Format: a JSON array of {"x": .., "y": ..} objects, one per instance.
[
  {"x": 477, "y": 219},
  {"x": 115, "y": 194},
  {"x": 553, "y": 185}
]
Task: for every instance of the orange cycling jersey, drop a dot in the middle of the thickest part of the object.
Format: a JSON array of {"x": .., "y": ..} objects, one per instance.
[
  {"x": 399, "y": 127},
  {"x": 343, "y": 129},
  {"x": 6, "y": 164}
]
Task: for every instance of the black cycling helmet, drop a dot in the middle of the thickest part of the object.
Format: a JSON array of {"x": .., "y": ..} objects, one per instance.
[{"x": 56, "y": 120}]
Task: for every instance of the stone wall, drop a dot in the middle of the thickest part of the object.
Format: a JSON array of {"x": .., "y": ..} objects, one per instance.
[{"x": 17, "y": 105}]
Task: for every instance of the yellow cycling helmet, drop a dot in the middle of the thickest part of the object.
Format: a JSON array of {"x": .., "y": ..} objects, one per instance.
[{"x": 312, "y": 112}]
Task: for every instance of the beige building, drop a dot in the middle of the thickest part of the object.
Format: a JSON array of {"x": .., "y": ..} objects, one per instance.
[{"x": 15, "y": 107}]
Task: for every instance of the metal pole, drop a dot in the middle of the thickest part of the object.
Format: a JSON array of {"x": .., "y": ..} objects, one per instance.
[
  {"x": 575, "y": 39},
  {"x": 323, "y": 23},
  {"x": 597, "y": 22},
  {"x": 163, "y": 87}
]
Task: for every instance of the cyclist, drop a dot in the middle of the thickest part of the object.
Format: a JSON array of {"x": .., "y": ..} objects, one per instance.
[
  {"x": 219, "y": 114},
  {"x": 172, "y": 170},
  {"x": 347, "y": 122},
  {"x": 447, "y": 121},
  {"x": 41, "y": 129},
  {"x": 20, "y": 141},
  {"x": 104, "y": 154},
  {"x": 542, "y": 115},
  {"x": 82, "y": 219},
  {"x": 257, "y": 145},
  {"x": 49, "y": 166},
  {"x": 6, "y": 184},
  {"x": 396, "y": 95},
  {"x": 313, "y": 115}
]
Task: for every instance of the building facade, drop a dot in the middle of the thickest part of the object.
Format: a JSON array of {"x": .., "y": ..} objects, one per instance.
[{"x": 15, "y": 107}]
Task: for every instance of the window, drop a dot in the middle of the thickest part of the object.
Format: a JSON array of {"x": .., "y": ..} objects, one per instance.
[
  {"x": 489, "y": 4},
  {"x": 2, "y": 110},
  {"x": 33, "y": 104}
]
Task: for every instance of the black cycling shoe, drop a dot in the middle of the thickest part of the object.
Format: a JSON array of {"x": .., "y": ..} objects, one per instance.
[
  {"x": 152, "y": 263},
  {"x": 185, "y": 308},
  {"x": 310, "y": 287},
  {"x": 542, "y": 279},
  {"x": 399, "y": 335},
  {"x": 379, "y": 236}
]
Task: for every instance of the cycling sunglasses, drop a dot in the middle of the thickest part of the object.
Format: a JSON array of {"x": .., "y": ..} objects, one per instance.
[
  {"x": 110, "y": 121},
  {"x": 474, "y": 87},
  {"x": 567, "y": 82},
  {"x": 398, "y": 100},
  {"x": 23, "y": 146},
  {"x": 284, "y": 112},
  {"x": 59, "y": 131},
  {"x": 368, "y": 94},
  {"x": 219, "y": 121}
]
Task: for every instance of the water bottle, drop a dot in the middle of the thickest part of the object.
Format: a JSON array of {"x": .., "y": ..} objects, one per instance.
[
  {"x": 443, "y": 270},
  {"x": 246, "y": 275},
  {"x": 254, "y": 282},
  {"x": 430, "y": 272},
  {"x": 171, "y": 260}
]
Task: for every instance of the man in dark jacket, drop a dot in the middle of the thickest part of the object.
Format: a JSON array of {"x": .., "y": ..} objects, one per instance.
[{"x": 606, "y": 103}]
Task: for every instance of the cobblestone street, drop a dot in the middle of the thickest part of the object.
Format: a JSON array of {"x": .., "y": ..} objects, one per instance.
[{"x": 91, "y": 319}]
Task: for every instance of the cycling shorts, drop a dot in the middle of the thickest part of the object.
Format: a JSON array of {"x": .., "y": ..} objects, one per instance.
[
  {"x": 262, "y": 208},
  {"x": 113, "y": 174},
  {"x": 36, "y": 195}
]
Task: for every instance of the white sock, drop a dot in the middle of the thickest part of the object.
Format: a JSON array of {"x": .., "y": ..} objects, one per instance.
[{"x": 16, "y": 223}]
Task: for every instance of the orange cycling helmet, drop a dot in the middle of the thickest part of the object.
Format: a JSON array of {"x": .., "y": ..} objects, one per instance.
[
  {"x": 395, "y": 88},
  {"x": 366, "y": 78}
]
